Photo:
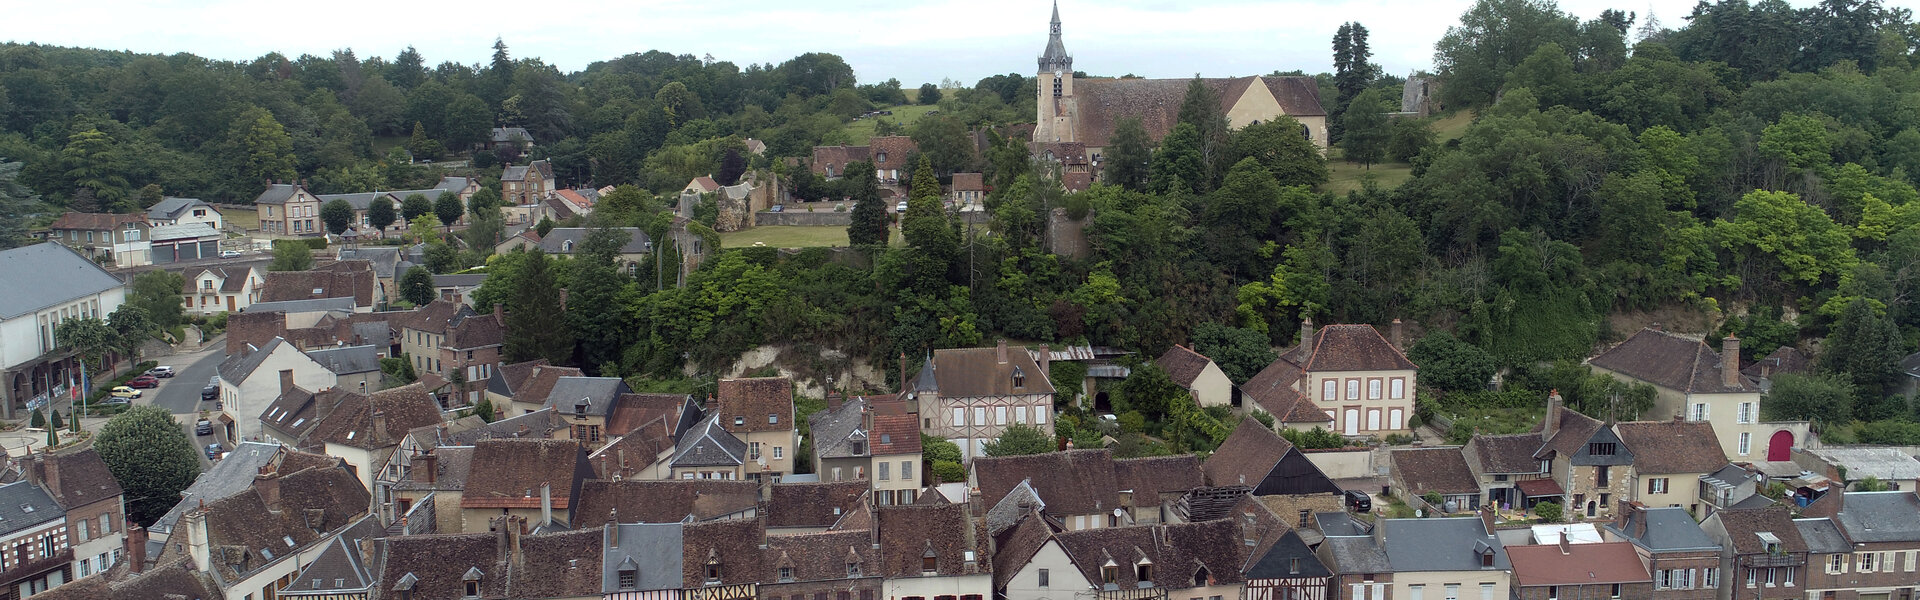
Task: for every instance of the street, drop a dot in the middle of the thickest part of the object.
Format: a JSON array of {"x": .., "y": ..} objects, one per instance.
[{"x": 180, "y": 394}]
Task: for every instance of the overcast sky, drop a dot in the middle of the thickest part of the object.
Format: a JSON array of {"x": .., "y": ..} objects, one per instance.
[{"x": 914, "y": 41}]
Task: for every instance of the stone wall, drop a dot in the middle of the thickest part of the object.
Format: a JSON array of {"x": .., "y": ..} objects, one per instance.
[
  {"x": 818, "y": 218},
  {"x": 1067, "y": 237}
]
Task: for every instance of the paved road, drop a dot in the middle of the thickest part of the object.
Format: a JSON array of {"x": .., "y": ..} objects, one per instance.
[{"x": 180, "y": 394}]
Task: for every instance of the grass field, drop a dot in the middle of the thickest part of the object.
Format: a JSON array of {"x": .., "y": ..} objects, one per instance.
[
  {"x": 905, "y": 115},
  {"x": 1451, "y": 127},
  {"x": 793, "y": 236},
  {"x": 241, "y": 216},
  {"x": 1343, "y": 176}
]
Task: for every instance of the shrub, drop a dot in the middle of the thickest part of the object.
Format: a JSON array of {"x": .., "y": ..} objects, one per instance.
[{"x": 1549, "y": 512}]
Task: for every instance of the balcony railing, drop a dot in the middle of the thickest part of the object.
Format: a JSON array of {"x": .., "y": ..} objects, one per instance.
[{"x": 20, "y": 572}]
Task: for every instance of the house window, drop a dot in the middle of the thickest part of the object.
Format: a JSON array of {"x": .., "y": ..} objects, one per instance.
[
  {"x": 1040, "y": 414},
  {"x": 929, "y": 564},
  {"x": 786, "y": 573},
  {"x": 1486, "y": 591},
  {"x": 629, "y": 579},
  {"x": 906, "y": 469},
  {"x": 1553, "y": 592},
  {"x": 1019, "y": 378},
  {"x": 999, "y": 415},
  {"x": 777, "y": 450},
  {"x": 884, "y": 471},
  {"x": 473, "y": 589},
  {"x": 1866, "y": 562},
  {"x": 1353, "y": 389},
  {"x": 960, "y": 417},
  {"x": 713, "y": 571},
  {"x": 1109, "y": 574},
  {"x": 739, "y": 421},
  {"x": 1453, "y": 591},
  {"x": 753, "y": 450},
  {"x": 1601, "y": 449},
  {"x": 1397, "y": 388},
  {"x": 1657, "y": 485},
  {"x": 1416, "y": 592},
  {"x": 1746, "y": 443},
  {"x": 1616, "y": 591},
  {"x": 1746, "y": 412},
  {"x": 1329, "y": 390},
  {"x": 1373, "y": 389},
  {"x": 1700, "y": 411},
  {"x": 1710, "y": 577},
  {"x": 1143, "y": 573},
  {"x": 979, "y": 415},
  {"x": 1837, "y": 565},
  {"x": 1044, "y": 578},
  {"x": 1600, "y": 477}
]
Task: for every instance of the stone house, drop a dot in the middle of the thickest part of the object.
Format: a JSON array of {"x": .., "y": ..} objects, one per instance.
[
  {"x": 1684, "y": 562},
  {"x": 1588, "y": 459},
  {"x": 869, "y": 439},
  {"x": 1200, "y": 376},
  {"x": 1361, "y": 382},
  {"x": 288, "y": 209},
  {"x": 1696, "y": 384},
  {"x": 119, "y": 240},
  {"x": 1418, "y": 472},
  {"x": 1568, "y": 571},
  {"x": 1762, "y": 554},
  {"x": 969, "y": 396},
  {"x": 526, "y": 184},
  {"x": 1509, "y": 475}
]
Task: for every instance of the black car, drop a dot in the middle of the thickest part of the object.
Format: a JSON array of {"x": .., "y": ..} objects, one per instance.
[
  {"x": 204, "y": 427},
  {"x": 212, "y": 391},
  {"x": 1358, "y": 501}
]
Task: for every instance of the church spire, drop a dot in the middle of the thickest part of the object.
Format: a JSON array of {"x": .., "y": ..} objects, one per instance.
[{"x": 1055, "y": 58}]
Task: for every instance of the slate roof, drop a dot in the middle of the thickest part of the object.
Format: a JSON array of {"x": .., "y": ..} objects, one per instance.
[
  {"x": 599, "y": 394},
  {"x": 24, "y": 505},
  {"x": 363, "y": 200},
  {"x": 1578, "y": 564},
  {"x": 347, "y": 360},
  {"x": 1156, "y": 102},
  {"x": 1277, "y": 562},
  {"x": 238, "y": 368},
  {"x": 1508, "y": 454},
  {"x": 507, "y": 134},
  {"x": 1443, "y": 544},
  {"x": 1672, "y": 447},
  {"x": 1823, "y": 536},
  {"x": 171, "y": 207},
  {"x": 909, "y": 533},
  {"x": 1074, "y": 482},
  {"x": 1247, "y": 456},
  {"x": 277, "y": 193},
  {"x": 1868, "y": 517},
  {"x": 247, "y": 533},
  {"x": 567, "y": 240},
  {"x": 1785, "y": 359},
  {"x": 536, "y": 170},
  {"x": 1664, "y": 529},
  {"x": 459, "y": 281},
  {"x": 232, "y": 475},
  {"x": 341, "y": 304},
  {"x": 764, "y": 403},
  {"x": 977, "y": 372},
  {"x": 709, "y": 445},
  {"x": 1149, "y": 476},
  {"x": 1177, "y": 551},
  {"x": 517, "y": 467},
  {"x": 651, "y": 550},
  {"x": 1355, "y": 554},
  {"x": 1743, "y": 526},
  {"x": 812, "y": 504},
  {"x": 1670, "y": 361},
  {"x": 340, "y": 566},
  {"x": 59, "y": 274},
  {"x": 1440, "y": 470},
  {"x": 1183, "y": 365}
]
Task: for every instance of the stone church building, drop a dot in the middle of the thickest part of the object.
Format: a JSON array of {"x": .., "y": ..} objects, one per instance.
[{"x": 1079, "y": 115}]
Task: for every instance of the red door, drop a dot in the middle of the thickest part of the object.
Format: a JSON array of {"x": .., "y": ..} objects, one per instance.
[{"x": 1780, "y": 448}]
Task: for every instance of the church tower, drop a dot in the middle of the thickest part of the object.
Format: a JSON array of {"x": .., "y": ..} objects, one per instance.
[{"x": 1054, "y": 123}]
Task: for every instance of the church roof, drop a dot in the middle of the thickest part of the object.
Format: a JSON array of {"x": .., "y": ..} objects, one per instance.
[{"x": 1101, "y": 103}]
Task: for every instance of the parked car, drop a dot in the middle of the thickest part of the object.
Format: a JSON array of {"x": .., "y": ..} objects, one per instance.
[
  {"x": 122, "y": 391},
  {"x": 778, "y": 208},
  {"x": 211, "y": 392},
  {"x": 229, "y": 254},
  {"x": 162, "y": 372},
  {"x": 116, "y": 400},
  {"x": 1358, "y": 501},
  {"x": 204, "y": 427},
  {"x": 214, "y": 450},
  {"x": 900, "y": 207},
  {"x": 144, "y": 381}
]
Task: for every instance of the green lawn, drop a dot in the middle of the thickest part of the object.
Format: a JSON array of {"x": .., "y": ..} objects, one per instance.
[
  {"x": 905, "y": 115},
  {"x": 793, "y": 236},
  {"x": 1451, "y": 127},
  {"x": 1345, "y": 177}
]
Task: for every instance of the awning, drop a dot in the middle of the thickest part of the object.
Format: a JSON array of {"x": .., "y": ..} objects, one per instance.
[{"x": 1533, "y": 488}]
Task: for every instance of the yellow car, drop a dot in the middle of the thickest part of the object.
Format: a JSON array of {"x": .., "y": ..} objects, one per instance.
[{"x": 124, "y": 392}]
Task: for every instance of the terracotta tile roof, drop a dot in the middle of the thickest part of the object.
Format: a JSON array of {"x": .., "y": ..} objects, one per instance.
[
  {"x": 508, "y": 378},
  {"x": 1672, "y": 447},
  {"x": 910, "y": 533},
  {"x": 575, "y": 198},
  {"x": 1156, "y": 102},
  {"x": 895, "y": 434},
  {"x": 451, "y": 466},
  {"x": 1247, "y": 456},
  {"x": 309, "y": 285},
  {"x": 893, "y": 431},
  {"x": 758, "y": 404},
  {"x": 1074, "y": 482},
  {"x": 978, "y": 372},
  {"x": 1442, "y": 470},
  {"x": 173, "y": 578},
  {"x": 1353, "y": 348},
  {"x": 634, "y": 451},
  {"x": 244, "y": 528},
  {"x": 665, "y": 501},
  {"x": 436, "y": 317},
  {"x": 634, "y": 410},
  {"x": 1076, "y": 181},
  {"x": 969, "y": 182},
  {"x": 477, "y": 332},
  {"x": 894, "y": 149},
  {"x": 75, "y": 478},
  {"x": 812, "y": 504},
  {"x": 1575, "y": 430},
  {"x": 837, "y": 158},
  {"x": 1154, "y": 475},
  {"x": 80, "y": 221},
  {"x": 1670, "y": 361},
  {"x": 515, "y": 469},
  {"x": 539, "y": 386},
  {"x": 1504, "y": 453},
  {"x": 1577, "y": 564},
  {"x": 1017, "y": 545},
  {"x": 1177, "y": 551},
  {"x": 1743, "y": 526},
  {"x": 1183, "y": 365},
  {"x": 1785, "y": 359},
  {"x": 352, "y": 422},
  {"x": 705, "y": 184}
]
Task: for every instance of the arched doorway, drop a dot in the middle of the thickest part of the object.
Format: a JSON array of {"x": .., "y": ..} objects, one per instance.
[{"x": 1780, "y": 447}]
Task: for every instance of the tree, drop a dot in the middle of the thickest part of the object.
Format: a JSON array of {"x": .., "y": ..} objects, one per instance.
[
  {"x": 1493, "y": 36},
  {"x": 92, "y": 161},
  {"x": 544, "y": 227},
  {"x": 338, "y": 215},
  {"x": 732, "y": 166},
  {"x": 1446, "y": 363},
  {"x": 1130, "y": 155},
  {"x": 157, "y": 293},
  {"x": 416, "y": 286},
  {"x": 1549, "y": 512},
  {"x": 38, "y": 420},
  {"x": 944, "y": 140},
  {"x": 1020, "y": 439},
  {"x": 1241, "y": 353},
  {"x": 869, "y": 226},
  {"x": 421, "y": 146},
  {"x": 92, "y": 338},
  {"x": 1797, "y": 397},
  {"x": 1866, "y": 347},
  {"x": 149, "y": 454},
  {"x": 1367, "y": 129},
  {"x": 1277, "y": 144},
  {"x": 929, "y": 94},
  {"x": 1352, "y": 72},
  {"x": 56, "y": 423},
  {"x": 380, "y": 214},
  {"x": 294, "y": 256},
  {"x": 415, "y": 205},
  {"x": 441, "y": 257},
  {"x": 1201, "y": 108},
  {"x": 16, "y": 202},
  {"x": 266, "y": 150},
  {"x": 536, "y": 326},
  {"x": 449, "y": 209},
  {"x": 942, "y": 458},
  {"x": 596, "y": 314},
  {"x": 131, "y": 329}
]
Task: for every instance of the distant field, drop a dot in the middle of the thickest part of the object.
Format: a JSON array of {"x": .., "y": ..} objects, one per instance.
[
  {"x": 1345, "y": 177},
  {"x": 240, "y": 216},
  {"x": 1451, "y": 127},
  {"x": 792, "y": 236},
  {"x": 862, "y": 130}
]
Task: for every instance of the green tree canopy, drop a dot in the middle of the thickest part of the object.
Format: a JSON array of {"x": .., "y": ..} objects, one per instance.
[
  {"x": 1446, "y": 363},
  {"x": 380, "y": 214},
  {"x": 291, "y": 257},
  {"x": 1020, "y": 439},
  {"x": 1241, "y": 353},
  {"x": 338, "y": 215},
  {"x": 416, "y": 286},
  {"x": 448, "y": 209},
  {"x": 415, "y": 205},
  {"x": 149, "y": 454}
]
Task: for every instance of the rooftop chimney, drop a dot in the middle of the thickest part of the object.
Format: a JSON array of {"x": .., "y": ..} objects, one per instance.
[
  {"x": 1398, "y": 333},
  {"x": 500, "y": 313},
  {"x": 136, "y": 548},
  {"x": 1306, "y": 340},
  {"x": 1730, "y": 361},
  {"x": 1046, "y": 360},
  {"x": 267, "y": 484},
  {"x": 1487, "y": 517},
  {"x": 429, "y": 463},
  {"x": 546, "y": 504},
  {"x": 1552, "y": 425},
  {"x": 1000, "y": 351},
  {"x": 379, "y": 426},
  {"x": 286, "y": 380},
  {"x": 613, "y": 528},
  {"x": 563, "y": 299},
  {"x": 1566, "y": 547}
]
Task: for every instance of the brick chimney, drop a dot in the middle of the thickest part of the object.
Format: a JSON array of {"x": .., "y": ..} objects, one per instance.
[
  {"x": 44, "y": 471},
  {"x": 1487, "y": 517},
  {"x": 286, "y": 380},
  {"x": 1398, "y": 336},
  {"x": 1000, "y": 352},
  {"x": 500, "y": 314},
  {"x": 1046, "y": 360},
  {"x": 379, "y": 433},
  {"x": 1730, "y": 361},
  {"x": 563, "y": 299},
  {"x": 1566, "y": 547},
  {"x": 267, "y": 484},
  {"x": 428, "y": 463},
  {"x": 136, "y": 548},
  {"x": 1306, "y": 341},
  {"x": 1552, "y": 421}
]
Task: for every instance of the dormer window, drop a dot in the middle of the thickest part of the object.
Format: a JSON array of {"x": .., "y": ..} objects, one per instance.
[
  {"x": 471, "y": 581},
  {"x": 1772, "y": 542},
  {"x": 929, "y": 564},
  {"x": 566, "y": 245},
  {"x": 786, "y": 573},
  {"x": 1601, "y": 448},
  {"x": 773, "y": 419},
  {"x": 859, "y": 448},
  {"x": 580, "y": 408},
  {"x": 1201, "y": 578},
  {"x": 1110, "y": 573},
  {"x": 1143, "y": 573},
  {"x": 739, "y": 421},
  {"x": 1019, "y": 378},
  {"x": 713, "y": 571},
  {"x": 629, "y": 579},
  {"x": 853, "y": 569},
  {"x": 880, "y": 158}
]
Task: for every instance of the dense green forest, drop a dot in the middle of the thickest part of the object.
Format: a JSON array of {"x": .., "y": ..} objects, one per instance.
[{"x": 1756, "y": 166}]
